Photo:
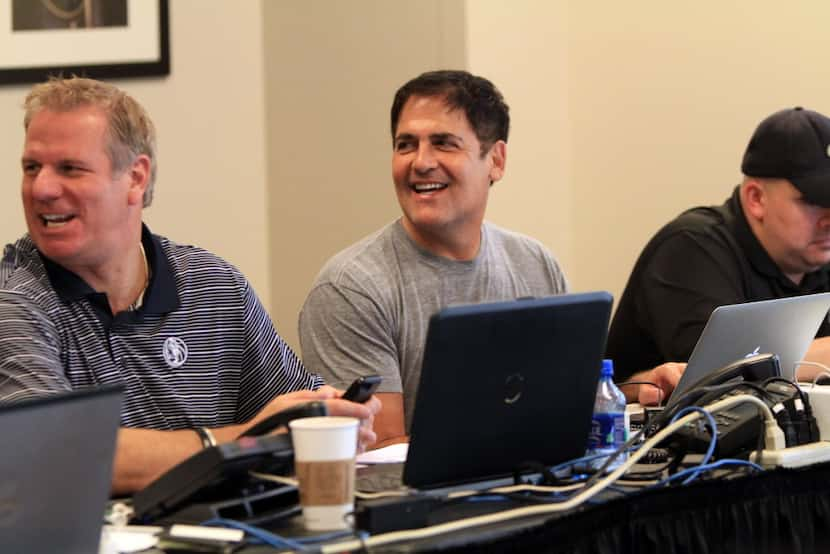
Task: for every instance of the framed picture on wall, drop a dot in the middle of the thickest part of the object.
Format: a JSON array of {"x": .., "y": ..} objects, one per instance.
[{"x": 101, "y": 39}]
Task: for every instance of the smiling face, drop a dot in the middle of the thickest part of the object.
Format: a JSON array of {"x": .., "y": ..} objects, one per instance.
[
  {"x": 795, "y": 233},
  {"x": 442, "y": 179},
  {"x": 79, "y": 214}
]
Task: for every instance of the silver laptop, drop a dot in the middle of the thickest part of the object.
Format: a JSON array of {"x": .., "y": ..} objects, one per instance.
[
  {"x": 56, "y": 470},
  {"x": 783, "y": 326}
]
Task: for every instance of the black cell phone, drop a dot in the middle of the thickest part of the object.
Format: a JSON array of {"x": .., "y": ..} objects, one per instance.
[{"x": 362, "y": 388}]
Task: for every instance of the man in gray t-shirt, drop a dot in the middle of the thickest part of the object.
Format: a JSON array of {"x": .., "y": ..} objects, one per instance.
[{"x": 368, "y": 310}]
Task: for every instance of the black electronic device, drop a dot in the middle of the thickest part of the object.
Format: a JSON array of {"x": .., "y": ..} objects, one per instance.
[
  {"x": 513, "y": 359},
  {"x": 274, "y": 421},
  {"x": 755, "y": 368},
  {"x": 217, "y": 481},
  {"x": 362, "y": 388},
  {"x": 738, "y": 427}
]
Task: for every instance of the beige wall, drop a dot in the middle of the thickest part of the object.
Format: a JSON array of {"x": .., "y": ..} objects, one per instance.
[
  {"x": 523, "y": 48},
  {"x": 11, "y": 142},
  {"x": 664, "y": 97},
  {"x": 628, "y": 114},
  {"x": 622, "y": 117},
  {"x": 331, "y": 71}
]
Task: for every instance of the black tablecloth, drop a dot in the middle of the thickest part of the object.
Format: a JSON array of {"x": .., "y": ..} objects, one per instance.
[{"x": 781, "y": 511}]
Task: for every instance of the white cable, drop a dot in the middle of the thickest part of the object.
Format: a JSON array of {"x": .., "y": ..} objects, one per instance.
[
  {"x": 571, "y": 503},
  {"x": 517, "y": 488},
  {"x": 274, "y": 478},
  {"x": 825, "y": 370},
  {"x": 643, "y": 483},
  {"x": 293, "y": 482},
  {"x": 383, "y": 494}
]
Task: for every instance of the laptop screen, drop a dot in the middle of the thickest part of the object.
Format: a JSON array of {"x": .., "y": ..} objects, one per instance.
[
  {"x": 56, "y": 470},
  {"x": 782, "y": 326},
  {"x": 505, "y": 384}
]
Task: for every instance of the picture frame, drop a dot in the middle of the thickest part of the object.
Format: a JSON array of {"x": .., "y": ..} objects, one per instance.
[{"x": 103, "y": 39}]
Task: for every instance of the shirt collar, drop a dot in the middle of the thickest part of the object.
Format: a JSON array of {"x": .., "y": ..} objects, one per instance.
[{"x": 159, "y": 298}]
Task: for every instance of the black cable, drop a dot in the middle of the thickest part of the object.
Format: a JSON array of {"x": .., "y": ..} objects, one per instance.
[
  {"x": 661, "y": 396},
  {"x": 653, "y": 474},
  {"x": 520, "y": 497},
  {"x": 714, "y": 393},
  {"x": 547, "y": 478},
  {"x": 786, "y": 382},
  {"x": 785, "y": 423},
  {"x": 706, "y": 395},
  {"x": 807, "y": 425},
  {"x": 656, "y": 456},
  {"x": 611, "y": 457},
  {"x": 803, "y": 421}
]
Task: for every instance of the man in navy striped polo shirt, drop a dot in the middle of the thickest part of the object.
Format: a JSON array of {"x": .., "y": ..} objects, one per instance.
[{"x": 90, "y": 296}]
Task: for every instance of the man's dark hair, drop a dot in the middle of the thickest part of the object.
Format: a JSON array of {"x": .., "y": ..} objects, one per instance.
[{"x": 481, "y": 101}]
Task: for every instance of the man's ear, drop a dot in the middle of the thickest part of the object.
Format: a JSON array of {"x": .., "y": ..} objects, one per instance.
[
  {"x": 754, "y": 198},
  {"x": 139, "y": 175},
  {"x": 498, "y": 158}
]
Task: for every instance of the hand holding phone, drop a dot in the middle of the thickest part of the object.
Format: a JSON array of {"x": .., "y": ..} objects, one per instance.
[{"x": 362, "y": 388}]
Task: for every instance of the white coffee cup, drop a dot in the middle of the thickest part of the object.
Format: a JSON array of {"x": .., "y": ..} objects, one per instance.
[{"x": 324, "y": 460}]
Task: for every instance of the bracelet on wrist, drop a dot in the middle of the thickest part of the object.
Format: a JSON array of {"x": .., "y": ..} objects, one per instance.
[{"x": 206, "y": 436}]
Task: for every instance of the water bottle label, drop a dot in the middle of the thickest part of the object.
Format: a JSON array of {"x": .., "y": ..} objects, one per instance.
[{"x": 607, "y": 430}]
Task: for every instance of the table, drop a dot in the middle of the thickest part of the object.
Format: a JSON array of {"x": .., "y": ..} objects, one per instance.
[{"x": 780, "y": 511}]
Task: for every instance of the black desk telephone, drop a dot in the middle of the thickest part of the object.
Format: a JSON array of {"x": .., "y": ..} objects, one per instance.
[
  {"x": 739, "y": 426},
  {"x": 216, "y": 481}
]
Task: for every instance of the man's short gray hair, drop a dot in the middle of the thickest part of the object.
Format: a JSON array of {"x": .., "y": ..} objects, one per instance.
[{"x": 130, "y": 131}]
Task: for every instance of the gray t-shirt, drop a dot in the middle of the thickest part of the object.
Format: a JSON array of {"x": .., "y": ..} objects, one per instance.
[{"x": 369, "y": 308}]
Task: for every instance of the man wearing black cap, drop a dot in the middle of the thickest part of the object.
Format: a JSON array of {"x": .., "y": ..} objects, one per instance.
[{"x": 771, "y": 239}]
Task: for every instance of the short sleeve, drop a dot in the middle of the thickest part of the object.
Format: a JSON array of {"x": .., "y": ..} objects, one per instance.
[
  {"x": 269, "y": 366},
  {"x": 344, "y": 334}
]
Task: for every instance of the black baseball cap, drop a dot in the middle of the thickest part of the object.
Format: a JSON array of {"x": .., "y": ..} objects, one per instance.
[{"x": 793, "y": 144}]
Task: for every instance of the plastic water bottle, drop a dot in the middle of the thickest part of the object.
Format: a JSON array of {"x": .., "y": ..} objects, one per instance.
[{"x": 608, "y": 425}]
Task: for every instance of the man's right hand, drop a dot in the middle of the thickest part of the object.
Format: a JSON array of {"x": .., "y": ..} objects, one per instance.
[
  {"x": 664, "y": 376},
  {"x": 336, "y": 406}
]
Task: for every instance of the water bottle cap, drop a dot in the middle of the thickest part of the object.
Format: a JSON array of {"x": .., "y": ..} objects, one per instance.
[{"x": 607, "y": 368}]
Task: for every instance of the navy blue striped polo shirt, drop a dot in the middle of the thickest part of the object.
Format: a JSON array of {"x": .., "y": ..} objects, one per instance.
[{"x": 201, "y": 351}]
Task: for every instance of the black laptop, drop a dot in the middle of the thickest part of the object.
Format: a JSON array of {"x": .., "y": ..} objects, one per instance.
[
  {"x": 506, "y": 384},
  {"x": 56, "y": 470}
]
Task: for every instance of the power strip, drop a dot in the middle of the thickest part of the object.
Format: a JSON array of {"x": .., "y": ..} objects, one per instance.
[{"x": 795, "y": 456}]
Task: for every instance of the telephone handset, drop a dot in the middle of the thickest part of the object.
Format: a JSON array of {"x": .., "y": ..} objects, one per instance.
[
  {"x": 310, "y": 409},
  {"x": 755, "y": 368},
  {"x": 216, "y": 482}
]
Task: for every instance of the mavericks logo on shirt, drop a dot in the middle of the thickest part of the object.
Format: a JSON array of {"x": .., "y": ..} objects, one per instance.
[{"x": 175, "y": 352}]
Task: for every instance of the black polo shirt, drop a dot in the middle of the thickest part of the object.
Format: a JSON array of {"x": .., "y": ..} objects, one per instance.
[{"x": 707, "y": 257}]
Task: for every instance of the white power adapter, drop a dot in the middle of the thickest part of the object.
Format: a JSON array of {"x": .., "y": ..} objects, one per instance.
[{"x": 820, "y": 403}]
